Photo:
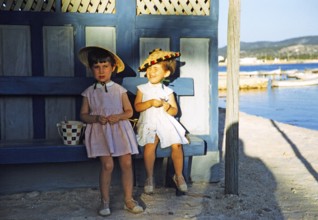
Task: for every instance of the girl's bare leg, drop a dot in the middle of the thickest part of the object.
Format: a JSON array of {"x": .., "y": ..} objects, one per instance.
[
  {"x": 177, "y": 158},
  {"x": 150, "y": 157},
  {"x": 125, "y": 163},
  {"x": 149, "y": 160},
  {"x": 105, "y": 176},
  {"x": 127, "y": 178}
]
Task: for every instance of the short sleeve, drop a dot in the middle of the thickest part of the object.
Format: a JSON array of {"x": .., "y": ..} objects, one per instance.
[
  {"x": 167, "y": 90},
  {"x": 142, "y": 88},
  {"x": 122, "y": 89},
  {"x": 86, "y": 92}
]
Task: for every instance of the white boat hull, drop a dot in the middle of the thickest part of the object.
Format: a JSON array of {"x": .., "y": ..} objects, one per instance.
[{"x": 294, "y": 83}]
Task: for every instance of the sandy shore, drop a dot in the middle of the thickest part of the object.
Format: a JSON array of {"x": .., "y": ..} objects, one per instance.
[{"x": 278, "y": 179}]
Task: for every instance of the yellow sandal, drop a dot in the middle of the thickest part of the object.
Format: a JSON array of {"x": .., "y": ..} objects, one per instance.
[{"x": 133, "y": 206}]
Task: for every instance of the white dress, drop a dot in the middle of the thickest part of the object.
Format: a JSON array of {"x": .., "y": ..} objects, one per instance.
[{"x": 156, "y": 121}]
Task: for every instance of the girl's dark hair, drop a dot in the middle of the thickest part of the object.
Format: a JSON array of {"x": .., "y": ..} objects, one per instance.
[{"x": 100, "y": 56}]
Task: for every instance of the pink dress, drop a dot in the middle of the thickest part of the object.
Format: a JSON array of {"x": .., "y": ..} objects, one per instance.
[{"x": 108, "y": 140}]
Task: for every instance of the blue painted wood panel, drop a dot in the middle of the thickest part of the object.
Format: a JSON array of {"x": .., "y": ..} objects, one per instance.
[{"x": 129, "y": 30}]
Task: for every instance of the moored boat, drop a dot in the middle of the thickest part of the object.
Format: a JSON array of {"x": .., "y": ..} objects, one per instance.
[
  {"x": 294, "y": 83},
  {"x": 306, "y": 75}
]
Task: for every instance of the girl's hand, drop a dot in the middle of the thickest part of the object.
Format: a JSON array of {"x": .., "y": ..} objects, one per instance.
[
  {"x": 156, "y": 103},
  {"x": 102, "y": 119},
  {"x": 112, "y": 119},
  {"x": 166, "y": 106}
]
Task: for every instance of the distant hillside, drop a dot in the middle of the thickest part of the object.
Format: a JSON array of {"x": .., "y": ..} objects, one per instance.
[{"x": 294, "y": 48}]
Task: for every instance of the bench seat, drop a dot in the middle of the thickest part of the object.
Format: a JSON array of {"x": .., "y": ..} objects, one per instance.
[
  {"x": 40, "y": 151},
  {"x": 52, "y": 151}
]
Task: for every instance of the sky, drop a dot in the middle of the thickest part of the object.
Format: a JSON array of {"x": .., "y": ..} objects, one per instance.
[{"x": 271, "y": 20}]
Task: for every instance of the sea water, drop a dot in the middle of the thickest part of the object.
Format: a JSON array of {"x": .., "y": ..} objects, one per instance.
[{"x": 296, "y": 106}]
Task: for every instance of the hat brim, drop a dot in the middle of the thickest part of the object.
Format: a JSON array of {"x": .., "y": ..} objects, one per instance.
[
  {"x": 83, "y": 57},
  {"x": 157, "y": 56}
]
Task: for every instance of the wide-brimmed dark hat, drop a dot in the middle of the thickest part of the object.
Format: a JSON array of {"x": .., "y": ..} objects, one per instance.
[
  {"x": 156, "y": 56},
  {"x": 83, "y": 57}
]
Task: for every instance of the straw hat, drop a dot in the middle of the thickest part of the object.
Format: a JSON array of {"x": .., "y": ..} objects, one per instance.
[
  {"x": 83, "y": 57},
  {"x": 156, "y": 56}
]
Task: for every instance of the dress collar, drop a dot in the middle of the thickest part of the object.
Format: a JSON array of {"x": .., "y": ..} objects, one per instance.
[
  {"x": 99, "y": 85},
  {"x": 155, "y": 85}
]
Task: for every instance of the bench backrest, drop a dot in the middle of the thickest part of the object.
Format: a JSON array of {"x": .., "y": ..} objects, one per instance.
[
  {"x": 65, "y": 86},
  {"x": 181, "y": 86}
]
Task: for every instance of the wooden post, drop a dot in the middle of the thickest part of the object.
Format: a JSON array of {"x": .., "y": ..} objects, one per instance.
[{"x": 232, "y": 99}]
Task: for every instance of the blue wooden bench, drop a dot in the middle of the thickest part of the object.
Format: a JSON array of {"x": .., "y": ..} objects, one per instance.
[{"x": 41, "y": 150}]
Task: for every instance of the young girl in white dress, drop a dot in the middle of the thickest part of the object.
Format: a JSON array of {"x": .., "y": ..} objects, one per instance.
[
  {"x": 106, "y": 110},
  {"x": 157, "y": 106}
]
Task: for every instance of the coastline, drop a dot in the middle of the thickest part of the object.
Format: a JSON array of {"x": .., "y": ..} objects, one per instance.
[
  {"x": 271, "y": 62},
  {"x": 293, "y": 74}
]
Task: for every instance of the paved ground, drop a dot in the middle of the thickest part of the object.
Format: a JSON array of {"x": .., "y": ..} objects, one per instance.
[
  {"x": 290, "y": 154},
  {"x": 278, "y": 179}
]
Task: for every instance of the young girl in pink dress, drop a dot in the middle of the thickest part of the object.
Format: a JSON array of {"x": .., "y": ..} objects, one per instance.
[
  {"x": 157, "y": 106},
  {"x": 106, "y": 110}
]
